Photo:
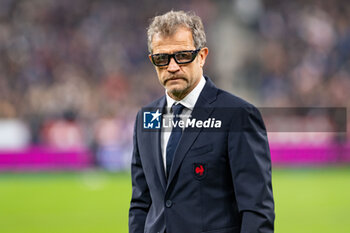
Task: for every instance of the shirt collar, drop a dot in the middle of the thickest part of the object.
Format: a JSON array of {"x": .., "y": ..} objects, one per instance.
[{"x": 190, "y": 100}]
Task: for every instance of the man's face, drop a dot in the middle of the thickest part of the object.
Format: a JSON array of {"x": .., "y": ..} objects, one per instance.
[{"x": 178, "y": 79}]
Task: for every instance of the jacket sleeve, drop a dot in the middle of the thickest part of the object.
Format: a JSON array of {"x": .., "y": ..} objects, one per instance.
[
  {"x": 140, "y": 200},
  {"x": 250, "y": 163}
]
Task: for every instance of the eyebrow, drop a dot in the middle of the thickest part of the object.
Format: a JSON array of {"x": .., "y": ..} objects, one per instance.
[{"x": 175, "y": 51}]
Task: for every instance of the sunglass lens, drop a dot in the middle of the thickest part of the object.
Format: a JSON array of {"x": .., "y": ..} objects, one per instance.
[
  {"x": 160, "y": 59},
  {"x": 184, "y": 57}
]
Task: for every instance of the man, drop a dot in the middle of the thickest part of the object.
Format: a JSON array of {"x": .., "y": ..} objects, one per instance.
[{"x": 213, "y": 174}]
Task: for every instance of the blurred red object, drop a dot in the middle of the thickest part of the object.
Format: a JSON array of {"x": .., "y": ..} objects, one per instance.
[{"x": 63, "y": 134}]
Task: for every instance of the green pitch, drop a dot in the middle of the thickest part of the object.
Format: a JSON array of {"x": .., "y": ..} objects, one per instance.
[{"x": 307, "y": 201}]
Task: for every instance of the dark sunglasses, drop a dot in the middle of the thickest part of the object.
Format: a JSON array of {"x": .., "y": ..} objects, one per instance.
[{"x": 181, "y": 57}]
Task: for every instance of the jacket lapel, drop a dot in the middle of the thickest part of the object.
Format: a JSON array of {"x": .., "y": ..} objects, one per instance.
[
  {"x": 154, "y": 139},
  {"x": 201, "y": 111}
]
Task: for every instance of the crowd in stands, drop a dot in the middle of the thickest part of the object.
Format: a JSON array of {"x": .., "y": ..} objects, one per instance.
[
  {"x": 305, "y": 54},
  {"x": 85, "y": 61},
  {"x": 304, "y": 58}
]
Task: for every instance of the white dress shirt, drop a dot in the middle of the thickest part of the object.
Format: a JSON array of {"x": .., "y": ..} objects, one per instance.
[{"x": 189, "y": 102}]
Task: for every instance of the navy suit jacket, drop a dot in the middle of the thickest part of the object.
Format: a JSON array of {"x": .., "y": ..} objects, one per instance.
[{"x": 220, "y": 180}]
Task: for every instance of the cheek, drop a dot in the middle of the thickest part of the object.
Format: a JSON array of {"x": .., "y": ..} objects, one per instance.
[
  {"x": 192, "y": 73},
  {"x": 160, "y": 73}
]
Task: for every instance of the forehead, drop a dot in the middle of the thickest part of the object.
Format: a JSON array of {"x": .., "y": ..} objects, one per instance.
[{"x": 180, "y": 40}]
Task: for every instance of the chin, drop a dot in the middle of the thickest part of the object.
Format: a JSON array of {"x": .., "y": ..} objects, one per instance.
[{"x": 175, "y": 90}]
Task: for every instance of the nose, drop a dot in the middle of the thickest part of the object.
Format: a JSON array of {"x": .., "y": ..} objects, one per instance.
[{"x": 173, "y": 66}]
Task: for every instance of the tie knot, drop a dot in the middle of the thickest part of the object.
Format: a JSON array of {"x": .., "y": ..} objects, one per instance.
[{"x": 177, "y": 109}]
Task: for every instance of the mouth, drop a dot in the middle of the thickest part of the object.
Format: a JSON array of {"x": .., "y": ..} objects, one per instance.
[{"x": 174, "y": 79}]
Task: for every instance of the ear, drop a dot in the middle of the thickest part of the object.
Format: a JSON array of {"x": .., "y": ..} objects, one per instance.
[{"x": 203, "y": 55}]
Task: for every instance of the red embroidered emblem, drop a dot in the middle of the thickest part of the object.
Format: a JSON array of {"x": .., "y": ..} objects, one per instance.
[{"x": 199, "y": 170}]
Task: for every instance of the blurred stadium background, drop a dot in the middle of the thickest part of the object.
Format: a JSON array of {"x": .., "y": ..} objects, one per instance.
[{"x": 73, "y": 74}]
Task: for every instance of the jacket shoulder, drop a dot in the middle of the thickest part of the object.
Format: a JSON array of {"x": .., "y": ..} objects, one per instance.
[
  {"x": 156, "y": 103},
  {"x": 230, "y": 100},
  {"x": 245, "y": 114}
]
